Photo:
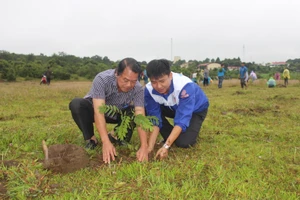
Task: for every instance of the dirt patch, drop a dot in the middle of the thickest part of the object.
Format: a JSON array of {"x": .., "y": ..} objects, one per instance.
[
  {"x": 249, "y": 111},
  {"x": 65, "y": 158},
  {"x": 35, "y": 117},
  {"x": 8, "y": 118},
  {"x": 294, "y": 98},
  {"x": 282, "y": 98},
  {"x": 239, "y": 93},
  {"x": 10, "y": 163},
  {"x": 281, "y": 85},
  {"x": 277, "y": 97}
]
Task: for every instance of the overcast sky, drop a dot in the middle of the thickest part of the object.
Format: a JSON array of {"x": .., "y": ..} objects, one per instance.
[{"x": 254, "y": 30}]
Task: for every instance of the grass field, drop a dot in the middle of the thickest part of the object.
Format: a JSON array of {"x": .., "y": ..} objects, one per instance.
[{"x": 249, "y": 148}]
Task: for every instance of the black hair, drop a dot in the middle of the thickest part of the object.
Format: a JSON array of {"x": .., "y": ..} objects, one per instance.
[
  {"x": 131, "y": 63},
  {"x": 158, "y": 68}
]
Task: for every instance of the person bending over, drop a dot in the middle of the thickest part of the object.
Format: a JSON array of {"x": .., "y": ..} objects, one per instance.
[
  {"x": 173, "y": 95},
  {"x": 119, "y": 87}
]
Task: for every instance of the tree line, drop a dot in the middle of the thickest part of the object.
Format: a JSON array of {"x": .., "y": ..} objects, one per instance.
[{"x": 70, "y": 67}]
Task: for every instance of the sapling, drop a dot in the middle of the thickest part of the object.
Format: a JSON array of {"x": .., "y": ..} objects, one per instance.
[{"x": 145, "y": 122}]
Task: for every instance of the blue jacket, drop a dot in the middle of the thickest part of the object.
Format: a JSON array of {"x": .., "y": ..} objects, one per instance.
[
  {"x": 221, "y": 73},
  {"x": 184, "y": 97},
  {"x": 243, "y": 70}
]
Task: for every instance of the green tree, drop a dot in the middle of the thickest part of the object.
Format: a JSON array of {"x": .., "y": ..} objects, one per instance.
[
  {"x": 30, "y": 58},
  {"x": 7, "y": 71},
  {"x": 207, "y": 60}
]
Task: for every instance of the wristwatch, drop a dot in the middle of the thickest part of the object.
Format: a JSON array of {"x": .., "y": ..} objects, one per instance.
[{"x": 166, "y": 146}]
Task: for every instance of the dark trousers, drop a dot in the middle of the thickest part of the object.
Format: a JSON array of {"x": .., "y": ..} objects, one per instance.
[
  {"x": 48, "y": 80},
  {"x": 187, "y": 138},
  {"x": 221, "y": 78},
  {"x": 286, "y": 81},
  {"x": 83, "y": 114},
  {"x": 205, "y": 81},
  {"x": 243, "y": 82}
]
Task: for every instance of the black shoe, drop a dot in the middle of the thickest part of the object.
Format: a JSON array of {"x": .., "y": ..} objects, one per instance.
[
  {"x": 112, "y": 139},
  {"x": 116, "y": 141},
  {"x": 91, "y": 144}
]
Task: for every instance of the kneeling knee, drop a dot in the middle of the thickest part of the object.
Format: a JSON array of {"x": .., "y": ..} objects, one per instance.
[
  {"x": 183, "y": 144},
  {"x": 74, "y": 104}
]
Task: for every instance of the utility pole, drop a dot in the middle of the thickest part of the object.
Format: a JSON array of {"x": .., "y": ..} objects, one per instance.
[
  {"x": 244, "y": 53},
  {"x": 171, "y": 49}
]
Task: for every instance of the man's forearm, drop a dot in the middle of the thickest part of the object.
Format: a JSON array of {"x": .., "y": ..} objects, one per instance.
[
  {"x": 174, "y": 135},
  {"x": 100, "y": 120},
  {"x": 152, "y": 138},
  {"x": 141, "y": 132},
  {"x": 101, "y": 127},
  {"x": 143, "y": 137}
]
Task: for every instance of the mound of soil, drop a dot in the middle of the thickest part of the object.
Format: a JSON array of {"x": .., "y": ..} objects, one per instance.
[{"x": 65, "y": 158}]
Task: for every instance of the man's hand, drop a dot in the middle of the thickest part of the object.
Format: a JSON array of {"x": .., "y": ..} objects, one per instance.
[
  {"x": 162, "y": 153},
  {"x": 108, "y": 152},
  {"x": 142, "y": 154}
]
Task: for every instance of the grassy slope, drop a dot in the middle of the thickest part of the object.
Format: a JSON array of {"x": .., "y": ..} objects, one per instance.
[{"x": 249, "y": 148}]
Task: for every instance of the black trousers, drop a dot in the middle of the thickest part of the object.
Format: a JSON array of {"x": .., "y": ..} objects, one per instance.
[
  {"x": 187, "y": 138},
  {"x": 286, "y": 81},
  {"x": 83, "y": 114},
  {"x": 243, "y": 82},
  {"x": 205, "y": 81},
  {"x": 48, "y": 80}
]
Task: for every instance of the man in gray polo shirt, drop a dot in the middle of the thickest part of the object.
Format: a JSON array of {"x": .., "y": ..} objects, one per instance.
[{"x": 119, "y": 87}]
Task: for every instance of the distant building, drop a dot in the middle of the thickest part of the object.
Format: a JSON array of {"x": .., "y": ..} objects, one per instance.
[
  {"x": 275, "y": 64},
  {"x": 202, "y": 66},
  {"x": 230, "y": 68},
  {"x": 176, "y": 58},
  {"x": 211, "y": 66}
]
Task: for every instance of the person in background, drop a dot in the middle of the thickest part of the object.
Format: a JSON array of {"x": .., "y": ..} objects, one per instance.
[
  {"x": 43, "y": 80},
  {"x": 118, "y": 87},
  {"x": 194, "y": 78},
  {"x": 286, "y": 76},
  {"x": 253, "y": 76},
  {"x": 271, "y": 82},
  {"x": 48, "y": 74},
  {"x": 205, "y": 77},
  {"x": 242, "y": 75},
  {"x": 247, "y": 77},
  {"x": 145, "y": 77},
  {"x": 175, "y": 96},
  {"x": 277, "y": 76},
  {"x": 221, "y": 73}
]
